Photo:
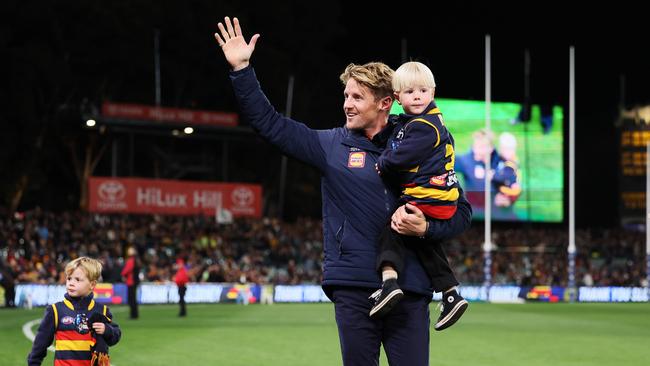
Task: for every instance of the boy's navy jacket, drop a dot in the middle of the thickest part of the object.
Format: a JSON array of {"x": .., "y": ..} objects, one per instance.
[{"x": 356, "y": 202}]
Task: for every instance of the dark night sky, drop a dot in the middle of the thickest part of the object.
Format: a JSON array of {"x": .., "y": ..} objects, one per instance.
[{"x": 57, "y": 54}]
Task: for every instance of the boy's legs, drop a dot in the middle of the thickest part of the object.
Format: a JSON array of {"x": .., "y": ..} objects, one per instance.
[
  {"x": 391, "y": 250},
  {"x": 434, "y": 260},
  {"x": 435, "y": 263},
  {"x": 390, "y": 262}
]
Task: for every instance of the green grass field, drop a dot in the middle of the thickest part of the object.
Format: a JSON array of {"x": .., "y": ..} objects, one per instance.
[{"x": 305, "y": 334}]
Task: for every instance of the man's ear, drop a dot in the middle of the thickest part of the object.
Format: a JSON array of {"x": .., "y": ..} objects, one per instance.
[{"x": 385, "y": 103}]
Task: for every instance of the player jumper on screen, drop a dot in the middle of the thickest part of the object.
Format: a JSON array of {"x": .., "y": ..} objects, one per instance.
[{"x": 420, "y": 159}]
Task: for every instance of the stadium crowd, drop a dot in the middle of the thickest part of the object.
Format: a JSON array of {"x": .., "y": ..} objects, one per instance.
[{"x": 35, "y": 245}]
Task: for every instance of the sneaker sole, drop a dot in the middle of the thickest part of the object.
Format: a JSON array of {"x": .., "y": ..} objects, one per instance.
[
  {"x": 453, "y": 316},
  {"x": 387, "y": 305}
]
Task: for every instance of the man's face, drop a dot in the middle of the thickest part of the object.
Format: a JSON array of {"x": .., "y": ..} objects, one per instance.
[
  {"x": 415, "y": 100},
  {"x": 482, "y": 149},
  {"x": 362, "y": 111}
]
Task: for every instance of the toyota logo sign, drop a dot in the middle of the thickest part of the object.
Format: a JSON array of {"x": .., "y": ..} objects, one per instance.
[
  {"x": 242, "y": 197},
  {"x": 111, "y": 191}
]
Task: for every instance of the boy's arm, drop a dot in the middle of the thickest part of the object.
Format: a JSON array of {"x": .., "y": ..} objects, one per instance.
[
  {"x": 113, "y": 333},
  {"x": 43, "y": 339},
  {"x": 420, "y": 137}
]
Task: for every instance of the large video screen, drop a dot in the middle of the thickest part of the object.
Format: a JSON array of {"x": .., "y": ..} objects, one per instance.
[{"x": 525, "y": 153}]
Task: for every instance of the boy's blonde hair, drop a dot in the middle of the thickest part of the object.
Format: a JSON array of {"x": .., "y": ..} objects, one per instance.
[
  {"x": 376, "y": 76},
  {"x": 412, "y": 74},
  {"x": 92, "y": 267}
]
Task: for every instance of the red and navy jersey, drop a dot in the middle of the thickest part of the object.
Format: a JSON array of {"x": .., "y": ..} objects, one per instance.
[
  {"x": 421, "y": 155},
  {"x": 66, "y": 323}
]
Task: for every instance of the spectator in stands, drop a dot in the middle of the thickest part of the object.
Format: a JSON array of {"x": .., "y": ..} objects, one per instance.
[
  {"x": 262, "y": 250},
  {"x": 356, "y": 205}
]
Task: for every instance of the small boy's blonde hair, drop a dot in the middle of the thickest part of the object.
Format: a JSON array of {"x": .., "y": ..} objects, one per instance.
[
  {"x": 413, "y": 74},
  {"x": 92, "y": 267},
  {"x": 376, "y": 76}
]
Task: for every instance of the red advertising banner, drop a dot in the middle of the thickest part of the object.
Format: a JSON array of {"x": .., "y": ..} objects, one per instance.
[
  {"x": 174, "y": 197},
  {"x": 164, "y": 114}
]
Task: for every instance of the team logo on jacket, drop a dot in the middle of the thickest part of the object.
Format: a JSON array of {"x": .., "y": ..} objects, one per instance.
[
  {"x": 439, "y": 180},
  {"x": 67, "y": 320},
  {"x": 357, "y": 159}
]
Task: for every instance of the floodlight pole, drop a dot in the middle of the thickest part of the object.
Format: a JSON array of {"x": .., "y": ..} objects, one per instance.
[
  {"x": 285, "y": 160},
  {"x": 487, "y": 245},
  {"x": 156, "y": 61},
  {"x": 572, "y": 181}
]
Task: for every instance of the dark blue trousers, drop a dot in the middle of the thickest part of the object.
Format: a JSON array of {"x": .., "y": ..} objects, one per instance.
[{"x": 404, "y": 332}]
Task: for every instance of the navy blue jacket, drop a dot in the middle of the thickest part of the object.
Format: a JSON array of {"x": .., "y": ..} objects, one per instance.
[{"x": 356, "y": 203}]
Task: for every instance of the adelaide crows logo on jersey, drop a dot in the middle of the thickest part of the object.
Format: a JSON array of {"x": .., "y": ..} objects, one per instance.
[{"x": 357, "y": 159}]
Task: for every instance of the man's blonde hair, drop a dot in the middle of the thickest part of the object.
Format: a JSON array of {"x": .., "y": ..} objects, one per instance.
[
  {"x": 376, "y": 76},
  {"x": 92, "y": 267},
  {"x": 484, "y": 135},
  {"x": 412, "y": 74}
]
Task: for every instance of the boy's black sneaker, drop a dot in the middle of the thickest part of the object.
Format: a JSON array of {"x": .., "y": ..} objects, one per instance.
[
  {"x": 385, "y": 298},
  {"x": 452, "y": 308}
]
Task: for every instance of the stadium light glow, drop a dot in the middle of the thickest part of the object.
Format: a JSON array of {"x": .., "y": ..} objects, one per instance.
[
  {"x": 91, "y": 123},
  {"x": 188, "y": 130}
]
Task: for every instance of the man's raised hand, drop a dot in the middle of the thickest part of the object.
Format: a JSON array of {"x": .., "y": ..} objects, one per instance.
[{"x": 234, "y": 46}]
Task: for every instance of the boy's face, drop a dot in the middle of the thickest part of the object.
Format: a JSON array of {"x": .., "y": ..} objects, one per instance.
[
  {"x": 415, "y": 99},
  {"x": 77, "y": 283},
  {"x": 507, "y": 152}
]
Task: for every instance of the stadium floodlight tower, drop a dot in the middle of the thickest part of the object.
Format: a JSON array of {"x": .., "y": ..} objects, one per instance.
[
  {"x": 487, "y": 244},
  {"x": 571, "y": 251}
]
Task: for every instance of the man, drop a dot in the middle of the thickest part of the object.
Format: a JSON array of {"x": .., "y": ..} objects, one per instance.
[
  {"x": 7, "y": 281},
  {"x": 356, "y": 205},
  {"x": 131, "y": 272},
  {"x": 181, "y": 278}
]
